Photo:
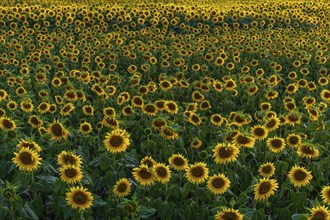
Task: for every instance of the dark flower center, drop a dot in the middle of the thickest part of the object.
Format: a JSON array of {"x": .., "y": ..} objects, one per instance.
[
  {"x": 197, "y": 171},
  {"x": 116, "y": 141},
  {"x": 71, "y": 172},
  {"x": 264, "y": 188},
  {"x": 226, "y": 152},
  {"x": 144, "y": 173},
  {"x": 300, "y": 175},
  {"x": 26, "y": 158},
  {"x": 122, "y": 187},
  {"x": 79, "y": 198},
  {"x": 218, "y": 183}
]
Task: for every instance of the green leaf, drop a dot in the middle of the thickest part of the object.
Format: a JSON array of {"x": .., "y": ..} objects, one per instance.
[
  {"x": 98, "y": 202},
  {"x": 186, "y": 189},
  {"x": 27, "y": 212},
  {"x": 299, "y": 217},
  {"x": 147, "y": 212}
]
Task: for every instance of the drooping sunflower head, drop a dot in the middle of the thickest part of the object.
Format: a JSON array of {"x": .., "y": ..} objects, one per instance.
[
  {"x": 122, "y": 187},
  {"x": 307, "y": 150},
  {"x": 228, "y": 214},
  {"x": 68, "y": 158},
  {"x": 26, "y": 159},
  {"x": 57, "y": 131},
  {"x": 178, "y": 162},
  {"x": 267, "y": 169},
  {"x": 299, "y": 176},
  {"x": 158, "y": 123},
  {"x": 168, "y": 133},
  {"x": 319, "y": 213},
  {"x": 218, "y": 184},
  {"x": 143, "y": 175},
  {"x": 117, "y": 140},
  {"x": 224, "y": 154},
  {"x": 162, "y": 173},
  {"x": 197, "y": 173},
  {"x": 70, "y": 174},
  {"x": 148, "y": 161},
  {"x": 29, "y": 144},
  {"x": 242, "y": 140},
  {"x": 196, "y": 143},
  {"x": 264, "y": 189},
  {"x": 79, "y": 198}
]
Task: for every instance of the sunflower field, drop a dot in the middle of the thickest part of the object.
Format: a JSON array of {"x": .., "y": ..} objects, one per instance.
[{"x": 174, "y": 109}]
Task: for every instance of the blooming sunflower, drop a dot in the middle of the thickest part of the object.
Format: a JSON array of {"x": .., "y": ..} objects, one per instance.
[
  {"x": 224, "y": 154},
  {"x": 26, "y": 159},
  {"x": 57, "y": 131},
  {"x": 158, "y": 123},
  {"x": 162, "y": 173},
  {"x": 197, "y": 173},
  {"x": 79, "y": 198},
  {"x": 293, "y": 140},
  {"x": 299, "y": 176},
  {"x": 149, "y": 109},
  {"x": 7, "y": 124},
  {"x": 68, "y": 158},
  {"x": 276, "y": 144},
  {"x": 196, "y": 143},
  {"x": 272, "y": 124},
  {"x": 178, "y": 162},
  {"x": 143, "y": 175},
  {"x": 35, "y": 121},
  {"x": 85, "y": 128},
  {"x": 67, "y": 109},
  {"x": 319, "y": 213},
  {"x": 117, "y": 140},
  {"x": 267, "y": 169},
  {"x": 264, "y": 189},
  {"x": 325, "y": 194},
  {"x": 216, "y": 119},
  {"x": 228, "y": 214},
  {"x": 259, "y": 132},
  {"x": 122, "y": 187},
  {"x": 218, "y": 184},
  {"x": 171, "y": 107},
  {"x": 71, "y": 174},
  {"x": 307, "y": 151},
  {"x": 168, "y": 133},
  {"x": 148, "y": 161},
  {"x": 241, "y": 140}
]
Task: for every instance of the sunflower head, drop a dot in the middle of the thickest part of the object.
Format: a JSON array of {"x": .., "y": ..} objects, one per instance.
[
  {"x": 228, "y": 214},
  {"x": 162, "y": 173},
  {"x": 299, "y": 176},
  {"x": 265, "y": 188},
  {"x": 218, "y": 184},
  {"x": 178, "y": 162},
  {"x": 276, "y": 144},
  {"x": 224, "y": 154},
  {"x": 143, "y": 175},
  {"x": 267, "y": 169},
  {"x": 325, "y": 194},
  {"x": 122, "y": 187},
  {"x": 117, "y": 140},
  {"x": 79, "y": 198},
  {"x": 26, "y": 159},
  {"x": 197, "y": 173},
  {"x": 57, "y": 131},
  {"x": 319, "y": 213},
  {"x": 68, "y": 158},
  {"x": 70, "y": 174}
]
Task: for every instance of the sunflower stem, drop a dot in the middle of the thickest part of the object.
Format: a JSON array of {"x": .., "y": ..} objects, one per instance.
[
  {"x": 11, "y": 210},
  {"x": 81, "y": 215}
]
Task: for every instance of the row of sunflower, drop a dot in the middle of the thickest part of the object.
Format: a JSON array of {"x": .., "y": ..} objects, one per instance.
[{"x": 170, "y": 111}]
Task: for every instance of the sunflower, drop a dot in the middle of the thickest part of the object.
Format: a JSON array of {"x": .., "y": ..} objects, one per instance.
[
  {"x": 307, "y": 151},
  {"x": 7, "y": 124},
  {"x": 216, "y": 119},
  {"x": 197, "y": 96},
  {"x": 32, "y": 145},
  {"x": 224, "y": 154},
  {"x": 218, "y": 184},
  {"x": 292, "y": 119},
  {"x": 12, "y": 105},
  {"x": 195, "y": 119},
  {"x": 171, "y": 107},
  {"x": 137, "y": 101},
  {"x": 276, "y": 144},
  {"x": 122, "y": 187},
  {"x": 127, "y": 110},
  {"x": 109, "y": 112},
  {"x": 259, "y": 132},
  {"x": 205, "y": 105},
  {"x": 267, "y": 169},
  {"x": 228, "y": 214},
  {"x": 35, "y": 121},
  {"x": 149, "y": 109},
  {"x": 117, "y": 140},
  {"x": 71, "y": 174},
  {"x": 3, "y": 94},
  {"x": 241, "y": 140},
  {"x": 79, "y": 198},
  {"x": 158, "y": 123},
  {"x": 26, "y": 106},
  {"x": 68, "y": 158},
  {"x": 160, "y": 105},
  {"x": 197, "y": 173},
  {"x": 168, "y": 133},
  {"x": 319, "y": 213},
  {"x": 265, "y": 106},
  {"x": 57, "y": 131},
  {"x": 272, "y": 123},
  {"x": 325, "y": 194},
  {"x": 26, "y": 159},
  {"x": 162, "y": 173},
  {"x": 178, "y": 162},
  {"x": 85, "y": 128},
  {"x": 88, "y": 110},
  {"x": 325, "y": 95},
  {"x": 148, "y": 161},
  {"x": 196, "y": 143},
  {"x": 143, "y": 175},
  {"x": 313, "y": 113},
  {"x": 299, "y": 176},
  {"x": 264, "y": 189},
  {"x": 67, "y": 109},
  {"x": 111, "y": 122},
  {"x": 43, "y": 107},
  {"x": 165, "y": 85}
]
